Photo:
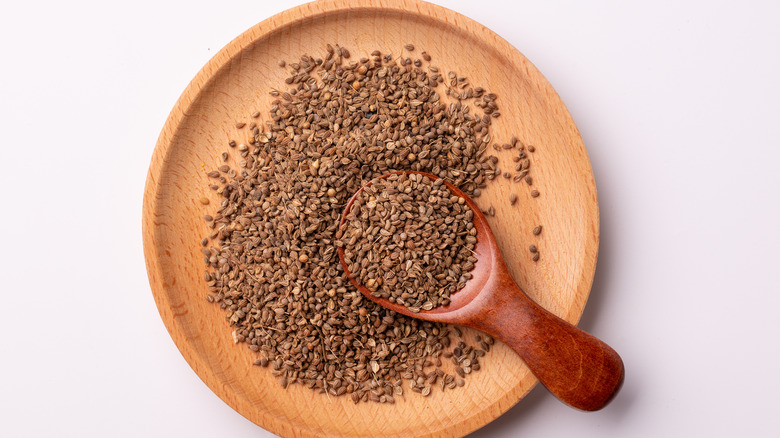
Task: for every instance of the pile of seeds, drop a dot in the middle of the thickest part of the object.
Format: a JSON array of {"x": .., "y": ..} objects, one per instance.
[
  {"x": 271, "y": 255},
  {"x": 408, "y": 239}
]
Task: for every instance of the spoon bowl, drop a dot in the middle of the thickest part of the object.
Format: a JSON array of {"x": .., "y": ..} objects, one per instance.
[
  {"x": 461, "y": 303},
  {"x": 579, "y": 369}
]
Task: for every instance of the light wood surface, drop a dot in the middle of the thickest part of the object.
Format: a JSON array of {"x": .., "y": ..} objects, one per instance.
[{"x": 236, "y": 82}]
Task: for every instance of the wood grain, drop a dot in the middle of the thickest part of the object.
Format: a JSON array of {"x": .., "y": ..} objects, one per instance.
[{"x": 236, "y": 82}]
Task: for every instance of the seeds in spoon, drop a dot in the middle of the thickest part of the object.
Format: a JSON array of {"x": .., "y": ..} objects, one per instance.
[{"x": 409, "y": 240}]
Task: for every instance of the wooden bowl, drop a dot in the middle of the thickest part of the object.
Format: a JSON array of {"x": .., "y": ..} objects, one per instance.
[{"x": 236, "y": 82}]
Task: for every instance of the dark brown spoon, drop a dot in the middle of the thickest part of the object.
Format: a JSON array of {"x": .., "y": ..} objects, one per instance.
[{"x": 579, "y": 369}]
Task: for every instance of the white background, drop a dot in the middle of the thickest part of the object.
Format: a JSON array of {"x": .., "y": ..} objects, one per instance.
[{"x": 678, "y": 106}]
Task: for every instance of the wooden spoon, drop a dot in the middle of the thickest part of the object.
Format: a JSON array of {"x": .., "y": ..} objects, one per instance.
[{"x": 579, "y": 369}]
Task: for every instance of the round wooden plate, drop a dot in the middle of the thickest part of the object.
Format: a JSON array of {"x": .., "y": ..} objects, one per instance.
[{"x": 236, "y": 82}]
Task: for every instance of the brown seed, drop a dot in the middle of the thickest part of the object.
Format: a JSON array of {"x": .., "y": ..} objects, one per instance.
[
  {"x": 426, "y": 56},
  {"x": 513, "y": 199},
  {"x": 537, "y": 230},
  {"x": 529, "y": 180},
  {"x": 409, "y": 47},
  {"x": 535, "y": 257},
  {"x": 240, "y": 125},
  {"x": 303, "y": 258},
  {"x": 204, "y": 200},
  {"x": 282, "y": 63},
  {"x": 532, "y": 248},
  {"x": 256, "y": 114},
  {"x": 531, "y": 149},
  {"x": 534, "y": 193}
]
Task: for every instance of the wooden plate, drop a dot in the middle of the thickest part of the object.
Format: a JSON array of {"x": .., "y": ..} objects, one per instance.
[{"x": 236, "y": 82}]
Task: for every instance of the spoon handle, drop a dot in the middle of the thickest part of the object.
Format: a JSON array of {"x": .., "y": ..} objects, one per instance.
[{"x": 578, "y": 368}]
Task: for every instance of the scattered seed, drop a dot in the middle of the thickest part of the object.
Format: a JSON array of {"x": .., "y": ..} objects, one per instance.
[
  {"x": 282, "y": 63},
  {"x": 534, "y": 193},
  {"x": 282, "y": 205},
  {"x": 240, "y": 125},
  {"x": 535, "y": 257},
  {"x": 204, "y": 200},
  {"x": 409, "y": 47},
  {"x": 532, "y": 248},
  {"x": 537, "y": 230},
  {"x": 512, "y": 199}
]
